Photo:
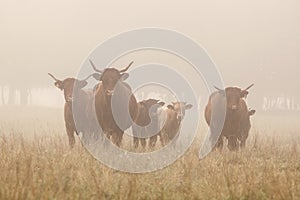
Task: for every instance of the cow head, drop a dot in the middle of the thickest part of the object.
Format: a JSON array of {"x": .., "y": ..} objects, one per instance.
[
  {"x": 179, "y": 108},
  {"x": 110, "y": 77},
  {"x": 233, "y": 96},
  {"x": 152, "y": 105},
  {"x": 69, "y": 85}
]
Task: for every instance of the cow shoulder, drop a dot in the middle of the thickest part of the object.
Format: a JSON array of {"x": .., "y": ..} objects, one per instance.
[{"x": 243, "y": 109}]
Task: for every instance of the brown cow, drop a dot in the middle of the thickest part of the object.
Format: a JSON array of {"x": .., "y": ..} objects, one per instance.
[
  {"x": 146, "y": 123},
  {"x": 170, "y": 120},
  {"x": 235, "y": 107},
  {"x": 116, "y": 106},
  {"x": 73, "y": 87}
]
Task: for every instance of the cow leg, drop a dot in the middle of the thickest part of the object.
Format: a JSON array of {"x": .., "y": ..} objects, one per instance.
[
  {"x": 109, "y": 134},
  {"x": 232, "y": 143},
  {"x": 243, "y": 139},
  {"x": 152, "y": 141},
  {"x": 219, "y": 144},
  {"x": 114, "y": 138},
  {"x": 243, "y": 143},
  {"x": 106, "y": 137},
  {"x": 174, "y": 140},
  {"x": 135, "y": 131},
  {"x": 163, "y": 139},
  {"x": 120, "y": 137},
  {"x": 71, "y": 139},
  {"x": 135, "y": 142},
  {"x": 70, "y": 131},
  {"x": 143, "y": 142},
  {"x": 117, "y": 137},
  {"x": 142, "y": 134}
]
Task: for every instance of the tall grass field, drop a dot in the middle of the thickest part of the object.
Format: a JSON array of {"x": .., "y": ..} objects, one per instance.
[{"x": 37, "y": 163}]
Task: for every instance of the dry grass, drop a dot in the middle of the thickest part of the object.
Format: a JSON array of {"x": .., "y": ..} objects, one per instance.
[{"x": 36, "y": 163}]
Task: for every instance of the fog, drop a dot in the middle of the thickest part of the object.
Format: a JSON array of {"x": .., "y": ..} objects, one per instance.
[{"x": 250, "y": 42}]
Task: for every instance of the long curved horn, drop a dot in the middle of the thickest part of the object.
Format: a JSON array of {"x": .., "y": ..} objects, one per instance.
[
  {"x": 94, "y": 67},
  {"x": 218, "y": 88},
  {"x": 249, "y": 87},
  {"x": 124, "y": 70},
  {"x": 53, "y": 77}
]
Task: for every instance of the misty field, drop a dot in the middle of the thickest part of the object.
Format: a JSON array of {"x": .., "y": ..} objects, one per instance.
[{"x": 37, "y": 163}]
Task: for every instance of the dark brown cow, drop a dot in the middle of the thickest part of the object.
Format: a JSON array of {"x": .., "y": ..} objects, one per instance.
[
  {"x": 236, "y": 109},
  {"x": 116, "y": 106},
  {"x": 170, "y": 121},
  {"x": 146, "y": 123},
  {"x": 70, "y": 86}
]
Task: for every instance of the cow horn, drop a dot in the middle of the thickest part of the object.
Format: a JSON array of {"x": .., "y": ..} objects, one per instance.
[
  {"x": 218, "y": 88},
  {"x": 124, "y": 70},
  {"x": 94, "y": 67},
  {"x": 53, "y": 77},
  {"x": 249, "y": 87}
]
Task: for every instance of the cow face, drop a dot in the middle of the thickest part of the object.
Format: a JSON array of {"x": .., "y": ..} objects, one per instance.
[
  {"x": 179, "y": 108},
  {"x": 233, "y": 96},
  {"x": 152, "y": 105},
  {"x": 110, "y": 77},
  {"x": 69, "y": 85}
]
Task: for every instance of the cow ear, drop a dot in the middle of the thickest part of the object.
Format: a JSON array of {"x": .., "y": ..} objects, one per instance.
[
  {"x": 252, "y": 112},
  {"x": 97, "y": 76},
  {"x": 188, "y": 106},
  {"x": 170, "y": 107},
  {"x": 96, "y": 87},
  {"x": 59, "y": 85},
  {"x": 161, "y": 103},
  {"x": 244, "y": 93},
  {"x": 124, "y": 76},
  {"x": 81, "y": 84}
]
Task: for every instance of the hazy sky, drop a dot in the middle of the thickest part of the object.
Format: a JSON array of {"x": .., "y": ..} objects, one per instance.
[{"x": 250, "y": 41}]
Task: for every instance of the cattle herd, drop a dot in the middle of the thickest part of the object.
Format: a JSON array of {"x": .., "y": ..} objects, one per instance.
[{"x": 112, "y": 106}]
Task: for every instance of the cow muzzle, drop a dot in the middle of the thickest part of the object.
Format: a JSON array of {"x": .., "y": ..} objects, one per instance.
[
  {"x": 179, "y": 117},
  {"x": 234, "y": 107},
  {"x": 69, "y": 99},
  {"x": 109, "y": 92}
]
